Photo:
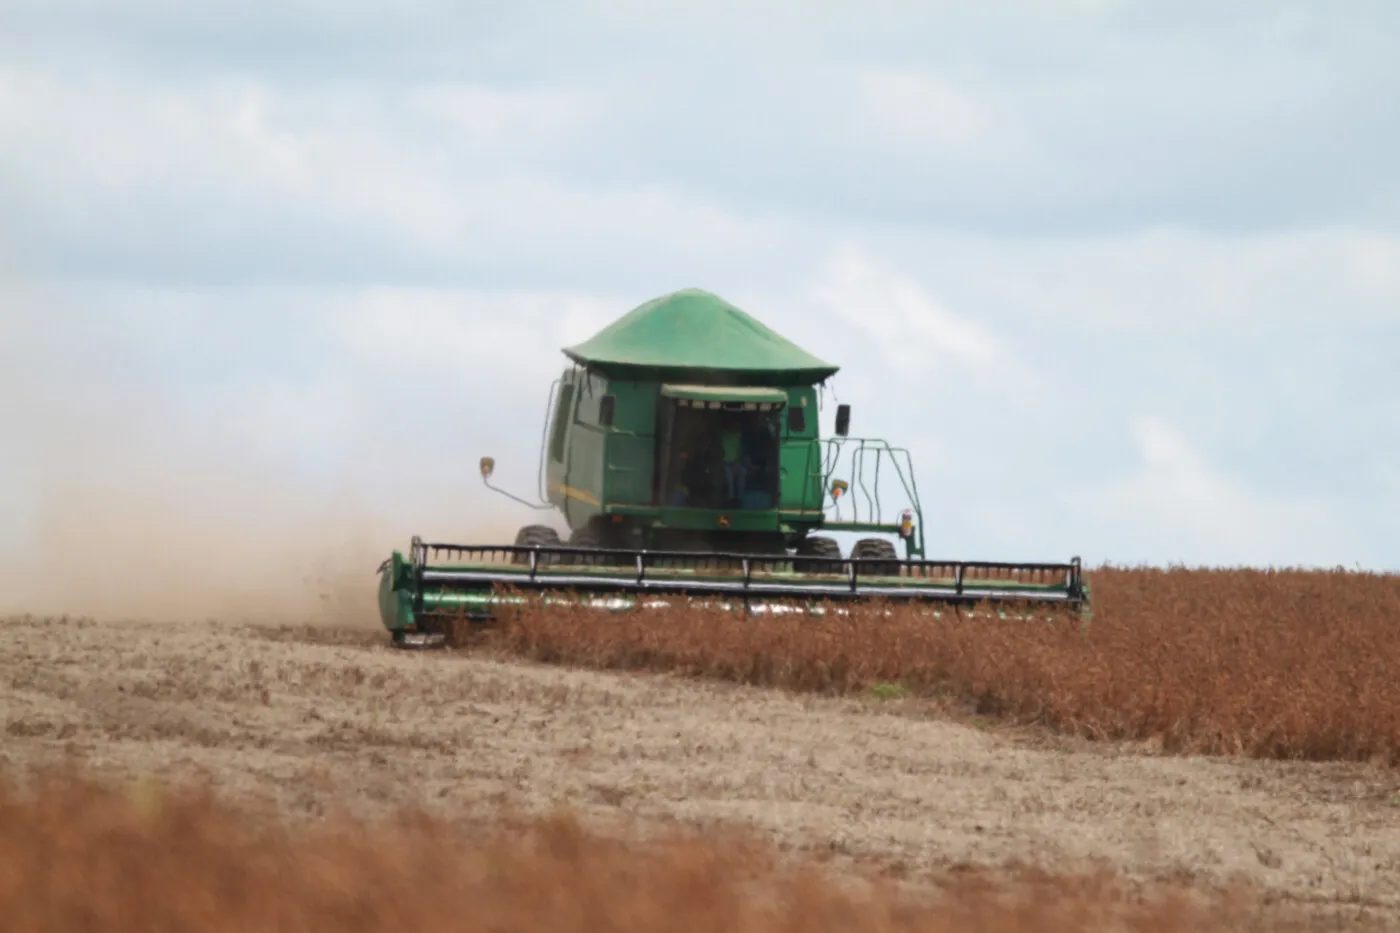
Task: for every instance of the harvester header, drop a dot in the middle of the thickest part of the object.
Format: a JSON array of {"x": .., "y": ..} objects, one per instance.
[{"x": 683, "y": 452}]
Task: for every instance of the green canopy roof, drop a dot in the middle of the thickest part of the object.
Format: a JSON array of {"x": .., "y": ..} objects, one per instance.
[{"x": 695, "y": 330}]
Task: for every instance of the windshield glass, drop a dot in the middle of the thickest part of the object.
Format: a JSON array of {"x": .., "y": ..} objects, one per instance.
[{"x": 722, "y": 459}]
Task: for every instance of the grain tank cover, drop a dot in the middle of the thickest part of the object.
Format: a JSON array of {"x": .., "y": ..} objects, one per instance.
[{"x": 693, "y": 330}]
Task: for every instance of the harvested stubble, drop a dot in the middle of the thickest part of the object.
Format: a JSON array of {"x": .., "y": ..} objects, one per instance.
[
  {"x": 1270, "y": 664},
  {"x": 76, "y": 856}
]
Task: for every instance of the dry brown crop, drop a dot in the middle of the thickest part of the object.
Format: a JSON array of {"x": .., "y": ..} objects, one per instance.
[
  {"x": 75, "y": 856},
  {"x": 1275, "y": 664}
]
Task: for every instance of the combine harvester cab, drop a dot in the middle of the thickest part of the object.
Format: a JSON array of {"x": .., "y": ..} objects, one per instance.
[{"x": 683, "y": 450}]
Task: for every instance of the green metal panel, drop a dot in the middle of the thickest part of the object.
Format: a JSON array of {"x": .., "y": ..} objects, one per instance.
[
  {"x": 802, "y": 478},
  {"x": 396, "y": 595},
  {"x": 636, "y": 405},
  {"x": 631, "y": 465},
  {"x": 697, "y": 331},
  {"x": 731, "y": 520},
  {"x": 629, "y": 476},
  {"x": 801, "y": 489}
]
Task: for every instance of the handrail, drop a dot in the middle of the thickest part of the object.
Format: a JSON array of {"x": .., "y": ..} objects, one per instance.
[{"x": 865, "y": 489}]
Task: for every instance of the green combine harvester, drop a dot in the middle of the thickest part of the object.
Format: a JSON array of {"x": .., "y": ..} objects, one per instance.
[{"x": 683, "y": 449}]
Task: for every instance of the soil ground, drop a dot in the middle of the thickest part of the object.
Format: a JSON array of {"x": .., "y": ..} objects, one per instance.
[{"x": 312, "y": 720}]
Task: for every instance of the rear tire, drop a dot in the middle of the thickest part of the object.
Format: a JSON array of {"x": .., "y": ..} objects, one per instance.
[
  {"x": 817, "y": 546},
  {"x": 877, "y": 549},
  {"x": 535, "y": 536}
]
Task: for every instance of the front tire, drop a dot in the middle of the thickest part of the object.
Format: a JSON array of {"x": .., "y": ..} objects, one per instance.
[
  {"x": 535, "y": 536},
  {"x": 817, "y": 546},
  {"x": 877, "y": 549}
]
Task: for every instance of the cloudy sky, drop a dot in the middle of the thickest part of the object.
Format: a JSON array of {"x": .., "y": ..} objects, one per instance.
[{"x": 1125, "y": 276}]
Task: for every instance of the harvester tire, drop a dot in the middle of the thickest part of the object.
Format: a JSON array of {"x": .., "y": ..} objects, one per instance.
[
  {"x": 587, "y": 536},
  {"x": 877, "y": 549},
  {"x": 535, "y": 536},
  {"x": 819, "y": 547}
]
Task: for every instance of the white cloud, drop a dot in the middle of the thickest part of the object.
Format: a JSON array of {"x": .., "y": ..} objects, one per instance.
[
  {"x": 1173, "y": 280},
  {"x": 1370, "y": 262},
  {"x": 262, "y": 176},
  {"x": 922, "y": 110},
  {"x": 1182, "y": 507},
  {"x": 518, "y": 334},
  {"x": 911, "y": 327},
  {"x": 231, "y": 148},
  {"x": 484, "y": 115}
]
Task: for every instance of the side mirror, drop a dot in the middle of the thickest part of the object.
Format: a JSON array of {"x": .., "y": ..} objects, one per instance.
[
  {"x": 843, "y": 420},
  {"x": 607, "y": 410},
  {"x": 488, "y": 466}
]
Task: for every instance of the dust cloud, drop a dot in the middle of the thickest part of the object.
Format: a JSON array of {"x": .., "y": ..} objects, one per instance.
[
  {"x": 170, "y": 533},
  {"x": 211, "y": 547},
  {"x": 132, "y": 549},
  {"x": 123, "y": 499}
]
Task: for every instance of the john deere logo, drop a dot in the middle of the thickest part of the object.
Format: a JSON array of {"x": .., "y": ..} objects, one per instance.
[{"x": 724, "y": 521}]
